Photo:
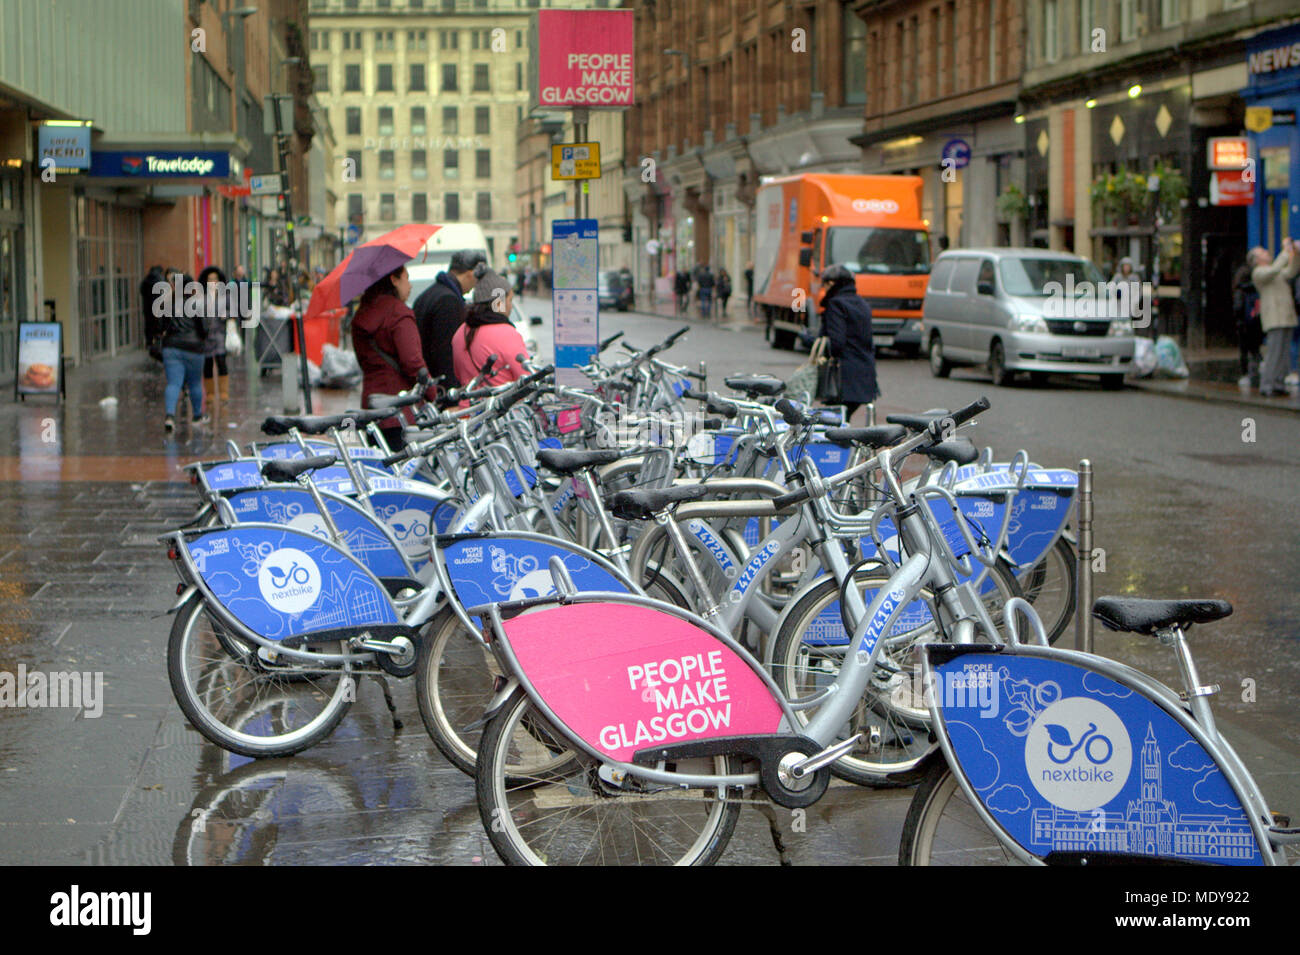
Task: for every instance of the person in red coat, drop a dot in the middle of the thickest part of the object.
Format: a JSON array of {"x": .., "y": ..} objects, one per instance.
[{"x": 387, "y": 344}]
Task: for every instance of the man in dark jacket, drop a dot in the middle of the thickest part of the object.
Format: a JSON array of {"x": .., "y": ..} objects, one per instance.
[
  {"x": 846, "y": 323},
  {"x": 153, "y": 325},
  {"x": 440, "y": 310}
]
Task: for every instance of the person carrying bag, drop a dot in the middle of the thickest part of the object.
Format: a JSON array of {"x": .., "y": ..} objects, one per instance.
[{"x": 849, "y": 378}]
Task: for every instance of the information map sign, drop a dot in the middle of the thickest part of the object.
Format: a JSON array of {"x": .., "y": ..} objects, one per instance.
[{"x": 575, "y": 265}]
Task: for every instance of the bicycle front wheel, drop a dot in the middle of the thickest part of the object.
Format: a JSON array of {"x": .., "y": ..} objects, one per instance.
[
  {"x": 454, "y": 686},
  {"x": 1050, "y": 586},
  {"x": 569, "y": 811},
  {"x": 244, "y": 704},
  {"x": 943, "y": 828}
]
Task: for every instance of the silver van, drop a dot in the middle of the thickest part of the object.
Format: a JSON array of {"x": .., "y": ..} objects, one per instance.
[{"x": 1030, "y": 310}]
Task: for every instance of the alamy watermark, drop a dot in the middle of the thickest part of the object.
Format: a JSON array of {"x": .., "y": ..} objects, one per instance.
[
  {"x": 59, "y": 689},
  {"x": 242, "y": 300},
  {"x": 1116, "y": 299}
]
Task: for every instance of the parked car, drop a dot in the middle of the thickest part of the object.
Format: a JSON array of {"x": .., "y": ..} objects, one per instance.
[
  {"x": 614, "y": 290},
  {"x": 1025, "y": 310}
]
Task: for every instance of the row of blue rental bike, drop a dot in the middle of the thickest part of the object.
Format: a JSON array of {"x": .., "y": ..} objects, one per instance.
[{"x": 632, "y": 608}]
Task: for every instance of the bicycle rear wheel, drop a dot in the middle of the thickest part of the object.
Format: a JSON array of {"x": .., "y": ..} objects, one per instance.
[
  {"x": 1050, "y": 586},
  {"x": 942, "y": 828},
  {"x": 244, "y": 704},
  {"x": 564, "y": 811},
  {"x": 455, "y": 683}
]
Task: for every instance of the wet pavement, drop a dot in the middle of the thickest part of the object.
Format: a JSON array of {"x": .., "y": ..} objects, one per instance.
[{"x": 1185, "y": 506}]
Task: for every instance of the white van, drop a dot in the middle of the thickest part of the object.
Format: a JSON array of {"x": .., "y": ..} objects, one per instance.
[
  {"x": 1030, "y": 310},
  {"x": 437, "y": 253}
]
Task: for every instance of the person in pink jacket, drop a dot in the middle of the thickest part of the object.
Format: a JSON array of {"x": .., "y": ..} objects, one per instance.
[{"x": 488, "y": 331}]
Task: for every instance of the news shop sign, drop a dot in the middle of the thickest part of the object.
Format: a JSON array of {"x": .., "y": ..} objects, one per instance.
[
  {"x": 40, "y": 359},
  {"x": 584, "y": 58}
]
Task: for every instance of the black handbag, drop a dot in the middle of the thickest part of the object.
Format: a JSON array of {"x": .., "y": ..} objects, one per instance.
[{"x": 830, "y": 389}]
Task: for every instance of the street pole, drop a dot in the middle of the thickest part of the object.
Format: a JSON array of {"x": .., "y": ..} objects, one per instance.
[
  {"x": 282, "y": 140},
  {"x": 1083, "y": 606}
]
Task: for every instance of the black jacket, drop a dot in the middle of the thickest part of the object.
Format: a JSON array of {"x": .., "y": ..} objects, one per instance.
[
  {"x": 186, "y": 332},
  {"x": 439, "y": 311},
  {"x": 846, "y": 322}
]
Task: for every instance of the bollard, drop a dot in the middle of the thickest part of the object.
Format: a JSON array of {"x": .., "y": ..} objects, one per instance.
[
  {"x": 1083, "y": 571},
  {"x": 704, "y": 376},
  {"x": 871, "y": 415}
]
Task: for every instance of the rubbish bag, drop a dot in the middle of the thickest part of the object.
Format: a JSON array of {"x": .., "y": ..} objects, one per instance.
[
  {"x": 1169, "y": 359},
  {"x": 1144, "y": 357},
  {"x": 339, "y": 368}
]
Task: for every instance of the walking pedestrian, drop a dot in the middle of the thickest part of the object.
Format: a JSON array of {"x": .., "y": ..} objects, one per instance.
[
  {"x": 1277, "y": 316},
  {"x": 682, "y": 288},
  {"x": 150, "y": 291},
  {"x": 387, "y": 345},
  {"x": 749, "y": 288},
  {"x": 216, "y": 381},
  {"x": 183, "y": 345},
  {"x": 440, "y": 310},
  {"x": 1245, "y": 311},
  {"x": 724, "y": 291},
  {"x": 846, "y": 323},
  {"x": 488, "y": 331},
  {"x": 705, "y": 282}
]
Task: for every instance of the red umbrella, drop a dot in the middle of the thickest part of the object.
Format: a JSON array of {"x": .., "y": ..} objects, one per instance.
[{"x": 367, "y": 264}]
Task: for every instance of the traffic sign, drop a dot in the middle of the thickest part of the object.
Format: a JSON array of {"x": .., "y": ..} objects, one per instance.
[
  {"x": 354, "y": 233},
  {"x": 267, "y": 185},
  {"x": 575, "y": 161}
]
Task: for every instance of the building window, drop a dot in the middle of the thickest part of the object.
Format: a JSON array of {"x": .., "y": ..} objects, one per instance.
[
  {"x": 450, "y": 164},
  {"x": 385, "y": 40},
  {"x": 353, "y": 121},
  {"x": 484, "y": 211},
  {"x": 417, "y": 78},
  {"x": 387, "y": 207},
  {"x": 417, "y": 121},
  {"x": 519, "y": 39},
  {"x": 1051, "y": 31},
  {"x": 386, "y": 169},
  {"x": 352, "y": 78},
  {"x": 519, "y": 76},
  {"x": 320, "y": 79},
  {"x": 481, "y": 78},
  {"x": 449, "y": 77},
  {"x": 1087, "y": 23},
  {"x": 451, "y": 207},
  {"x": 354, "y": 156},
  {"x": 419, "y": 207},
  {"x": 347, "y": 40},
  {"x": 356, "y": 207},
  {"x": 385, "y": 83},
  {"x": 417, "y": 39},
  {"x": 482, "y": 120},
  {"x": 940, "y": 59},
  {"x": 483, "y": 163},
  {"x": 1127, "y": 20},
  {"x": 385, "y": 121},
  {"x": 419, "y": 165},
  {"x": 450, "y": 124},
  {"x": 1171, "y": 13}
]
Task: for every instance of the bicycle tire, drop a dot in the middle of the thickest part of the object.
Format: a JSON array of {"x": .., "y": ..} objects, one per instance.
[
  {"x": 220, "y": 670},
  {"x": 963, "y": 839},
  {"x": 902, "y": 730},
  {"x": 609, "y": 828},
  {"x": 1051, "y": 586},
  {"x": 454, "y": 686}
]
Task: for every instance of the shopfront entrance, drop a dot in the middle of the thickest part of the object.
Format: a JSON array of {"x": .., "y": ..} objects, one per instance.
[
  {"x": 109, "y": 271},
  {"x": 13, "y": 272}
]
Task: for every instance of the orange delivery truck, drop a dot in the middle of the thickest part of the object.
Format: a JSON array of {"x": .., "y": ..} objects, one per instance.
[{"x": 870, "y": 224}]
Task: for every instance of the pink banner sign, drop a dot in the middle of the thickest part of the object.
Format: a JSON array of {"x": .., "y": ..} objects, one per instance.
[
  {"x": 626, "y": 678},
  {"x": 585, "y": 58}
]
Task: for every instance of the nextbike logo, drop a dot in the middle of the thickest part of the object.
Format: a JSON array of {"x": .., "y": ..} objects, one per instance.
[
  {"x": 310, "y": 522},
  {"x": 411, "y": 528},
  {"x": 289, "y": 580},
  {"x": 709, "y": 540},
  {"x": 535, "y": 583},
  {"x": 875, "y": 205},
  {"x": 1078, "y": 754}
]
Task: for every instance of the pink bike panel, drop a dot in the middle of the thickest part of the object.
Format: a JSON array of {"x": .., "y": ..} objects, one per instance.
[
  {"x": 625, "y": 678},
  {"x": 568, "y": 420}
]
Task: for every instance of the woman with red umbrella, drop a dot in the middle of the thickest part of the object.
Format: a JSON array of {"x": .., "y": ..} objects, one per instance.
[
  {"x": 387, "y": 343},
  {"x": 384, "y": 334}
]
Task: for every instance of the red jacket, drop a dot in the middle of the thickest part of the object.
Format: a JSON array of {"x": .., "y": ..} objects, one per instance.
[{"x": 386, "y": 323}]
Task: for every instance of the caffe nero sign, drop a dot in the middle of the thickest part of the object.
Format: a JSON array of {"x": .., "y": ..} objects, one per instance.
[{"x": 145, "y": 164}]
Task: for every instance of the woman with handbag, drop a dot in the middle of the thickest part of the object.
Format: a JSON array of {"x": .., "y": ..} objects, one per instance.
[
  {"x": 216, "y": 308},
  {"x": 846, "y": 323}
]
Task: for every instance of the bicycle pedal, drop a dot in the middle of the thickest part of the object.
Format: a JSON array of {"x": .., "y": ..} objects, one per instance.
[
  {"x": 824, "y": 758},
  {"x": 267, "y": 655},
  {"x": 610, "y": 775},
  {"x": 1208, "y": 690}
]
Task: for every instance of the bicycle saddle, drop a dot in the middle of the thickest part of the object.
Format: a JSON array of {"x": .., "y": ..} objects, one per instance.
[
  {"x": 570, "y": 462},
  {"x": 1136, "y": 615},
  {"x": 755, "y": 385},
  {"x": 956, "y": 449},
  {"x": 394, "y": 401},
  {"x": 916, "y": 422},
  {"x": 319, "y": 424},
  {"x": 879, "y": 436},
  {"x": 643, "y": 505},
  {"x": 284, "y": 470}
]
